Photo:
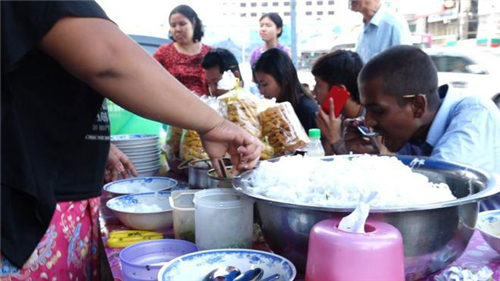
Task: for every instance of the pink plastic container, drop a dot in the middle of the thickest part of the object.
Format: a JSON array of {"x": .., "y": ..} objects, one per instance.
[{"x": 336, "y": 255}]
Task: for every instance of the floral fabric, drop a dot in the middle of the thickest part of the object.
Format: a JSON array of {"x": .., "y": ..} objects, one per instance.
[{"x": 67, "y": 251}]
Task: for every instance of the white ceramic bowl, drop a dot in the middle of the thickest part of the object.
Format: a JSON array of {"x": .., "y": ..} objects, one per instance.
[
  {"x": 488, "y": 223},
  {"x": 196, "y": 266},
  {"x": 144, "y": 211},
  {"x": 140, "y": 184}
]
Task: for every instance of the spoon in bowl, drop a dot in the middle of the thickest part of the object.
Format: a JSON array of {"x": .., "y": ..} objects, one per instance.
[
  {"x": 227, "y": 273},
  {"x": 251, "y": 275},
  {"x": 271, "y": 278}
]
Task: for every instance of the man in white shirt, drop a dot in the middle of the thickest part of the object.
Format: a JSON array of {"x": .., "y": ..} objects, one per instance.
[{"x": 383, "y": 28}]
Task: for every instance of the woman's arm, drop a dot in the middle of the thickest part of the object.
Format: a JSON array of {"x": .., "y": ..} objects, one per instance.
[{"x": 98, "y": 53}]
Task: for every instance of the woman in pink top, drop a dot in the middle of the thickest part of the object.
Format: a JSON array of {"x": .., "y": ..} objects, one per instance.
[
  {"x": 271, "y": 28},
  {"x": 183, "y": 57}
]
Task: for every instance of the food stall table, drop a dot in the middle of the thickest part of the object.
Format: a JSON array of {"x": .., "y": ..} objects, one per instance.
[{"x": 477, "y": 254}]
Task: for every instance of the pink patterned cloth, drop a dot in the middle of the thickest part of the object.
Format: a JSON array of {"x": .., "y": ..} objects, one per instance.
[{"x": 67, "y": 251}]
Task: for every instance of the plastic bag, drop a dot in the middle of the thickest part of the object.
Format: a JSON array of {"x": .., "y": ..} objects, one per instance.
[
  {"x": 192, "y": 148},
  {"x": 241, "y": 109},
  {"x": 267, "y": 150},
  {"x": 173, "y": 142},
  {"x": 282, "y": 128}
]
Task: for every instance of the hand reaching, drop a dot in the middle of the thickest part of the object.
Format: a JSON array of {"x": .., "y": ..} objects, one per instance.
[
  {"x": 227, "y": 137},
  {"x": 118, "y": 163}
]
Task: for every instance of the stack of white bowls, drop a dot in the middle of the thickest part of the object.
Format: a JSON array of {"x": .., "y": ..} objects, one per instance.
[{"x": 142, "y": 150}]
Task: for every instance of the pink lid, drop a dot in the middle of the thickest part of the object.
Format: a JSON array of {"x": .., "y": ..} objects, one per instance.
[{"x": 336, "y": 255}]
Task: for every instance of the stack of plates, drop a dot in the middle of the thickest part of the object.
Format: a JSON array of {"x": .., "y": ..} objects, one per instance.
[{"x": 142, "y": 150}]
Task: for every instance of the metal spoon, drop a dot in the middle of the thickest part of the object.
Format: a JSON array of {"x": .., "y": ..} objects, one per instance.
[
  {"x": 251, "y": 275},
  {"x": 365, "y": 131},
  {"x": 368, "y": 133},
  {"x": 223, "y": 274},
  {"x": 272, "y": 277}
]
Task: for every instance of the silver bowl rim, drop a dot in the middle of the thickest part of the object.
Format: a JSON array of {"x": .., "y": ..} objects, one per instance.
[{"x": 492, "y": 187}]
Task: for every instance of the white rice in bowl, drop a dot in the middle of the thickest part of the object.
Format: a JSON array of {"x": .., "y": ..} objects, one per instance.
[{"x": 339, "y": 183}]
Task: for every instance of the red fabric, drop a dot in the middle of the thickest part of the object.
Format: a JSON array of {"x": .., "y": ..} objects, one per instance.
[
  {"x": 67, "y": 251},
  {"x": 186, "y": 68}
]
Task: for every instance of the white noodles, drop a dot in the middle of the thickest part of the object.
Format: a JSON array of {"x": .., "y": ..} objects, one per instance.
[{"x": 339, "y": 183}]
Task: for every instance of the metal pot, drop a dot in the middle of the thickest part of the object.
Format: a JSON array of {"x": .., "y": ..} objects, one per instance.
[
  {"x": 198, "y": 177},
  {"x": 434, "y": 235},
  {"x": 215, "y": 181},
  {"x": 197, "y": 173}
]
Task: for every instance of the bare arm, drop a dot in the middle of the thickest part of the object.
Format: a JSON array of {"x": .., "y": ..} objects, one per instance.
[{"x": 97, "y": 52}]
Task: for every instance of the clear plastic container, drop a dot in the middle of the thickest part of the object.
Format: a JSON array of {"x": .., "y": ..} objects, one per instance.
[
  {"x": 314, "y": 147},
  {"x": 223, "y": 219},
  {"x": 182, "y": 204}
]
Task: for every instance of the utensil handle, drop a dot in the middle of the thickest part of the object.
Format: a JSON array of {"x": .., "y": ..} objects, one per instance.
[
  {"x": 222, "y": 168},
  {"x": 272, "y": 277}
]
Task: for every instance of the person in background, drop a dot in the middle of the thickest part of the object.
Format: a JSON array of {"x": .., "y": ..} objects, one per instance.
[
  {"x": 382, "y": 28},
  {"x": 60, "y": 59},
  {"x": 399, "y": 89},
  {"x": 182, "y": 58},
  {"x": 277, "y": 78},
  {"x": 339, "y": 68},
  {"x": 216, "y": 62},
  {"x": 271, "y": 28}
]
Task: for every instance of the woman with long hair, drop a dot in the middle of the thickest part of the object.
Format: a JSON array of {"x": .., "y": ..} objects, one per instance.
[{"x": 277, "y": 78}]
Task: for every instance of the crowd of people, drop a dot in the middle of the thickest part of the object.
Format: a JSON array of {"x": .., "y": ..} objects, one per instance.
[{"x": 54, "y": 81}]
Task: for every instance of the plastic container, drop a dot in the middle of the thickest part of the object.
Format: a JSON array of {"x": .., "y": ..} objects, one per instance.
[
  {"x": 336, "y": 255},
  {"x": 314, "y": 147},
  {"x": 223, "y": 219},
  {"x": 181, "y": 202},
  {"x": 143, "y": 261}
]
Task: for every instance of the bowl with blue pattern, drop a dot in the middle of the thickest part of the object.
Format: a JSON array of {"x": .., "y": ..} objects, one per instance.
[
  {"x": 139, "y": 185},
  {"x": 488, "y": 223},
  {"x": 196, "y": 266},
  {"x": 143, "y": 211}
]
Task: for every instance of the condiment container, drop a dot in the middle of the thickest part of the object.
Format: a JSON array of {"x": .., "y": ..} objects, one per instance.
[
  {"x": 223, "y": 219},
  {"x": 182, "y": 204},
  {"x": 337, "y": 255}
]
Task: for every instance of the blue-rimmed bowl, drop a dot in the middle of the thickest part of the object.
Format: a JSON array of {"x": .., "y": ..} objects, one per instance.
[
  {"x": 139, "y": 185},
  {"x": 144, "y": 211},
  {"x": 196, "y": 266},
  {"x": 488, "y": 223}
]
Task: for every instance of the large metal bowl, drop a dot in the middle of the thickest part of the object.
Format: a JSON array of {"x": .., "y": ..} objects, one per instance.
[{"x": 434, "y": 235}]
